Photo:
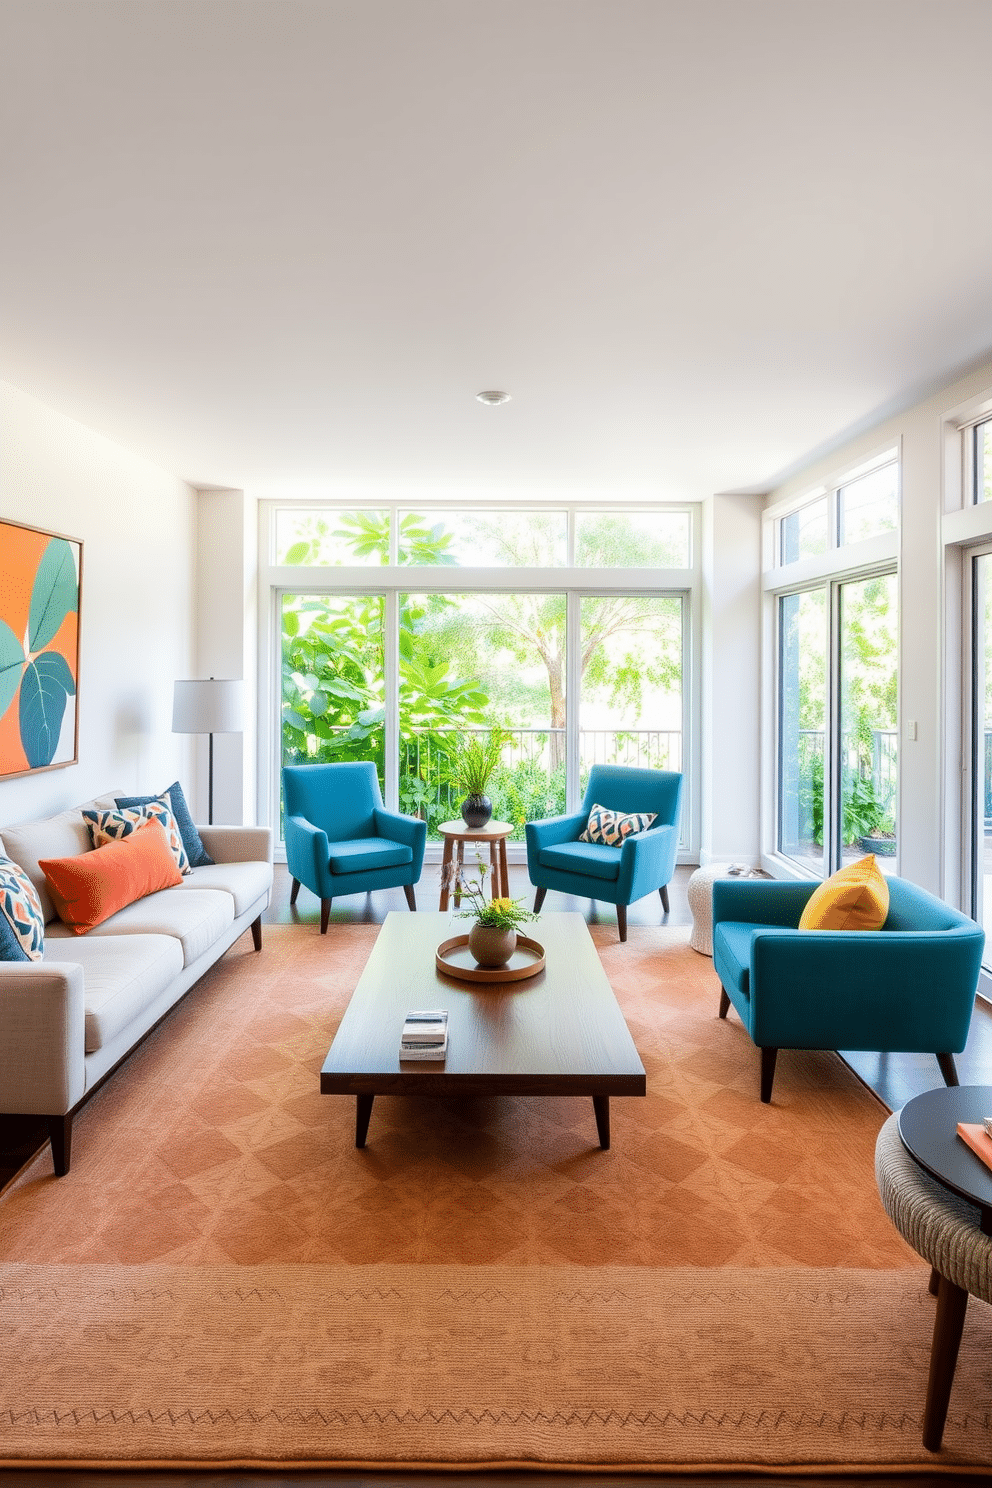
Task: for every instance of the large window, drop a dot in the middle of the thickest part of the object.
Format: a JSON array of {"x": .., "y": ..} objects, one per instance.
[
  {"x": 836, "y": 678},
  {"x": 571, "y": 662}
]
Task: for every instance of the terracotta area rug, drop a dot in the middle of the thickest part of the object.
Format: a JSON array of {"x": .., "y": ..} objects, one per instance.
[{"x": 223, "y": 1279}]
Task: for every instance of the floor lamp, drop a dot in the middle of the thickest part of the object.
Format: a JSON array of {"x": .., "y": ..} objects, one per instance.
[{"x": 212, "y": 706}]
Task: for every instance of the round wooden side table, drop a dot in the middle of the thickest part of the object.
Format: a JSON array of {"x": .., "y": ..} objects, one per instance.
[{"x": 456, "y": 834}]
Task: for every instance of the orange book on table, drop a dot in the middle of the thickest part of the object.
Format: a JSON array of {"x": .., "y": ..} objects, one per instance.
[{"x": 978, "y": 1139}]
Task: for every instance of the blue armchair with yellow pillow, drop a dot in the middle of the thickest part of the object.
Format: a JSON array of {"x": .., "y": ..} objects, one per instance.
[
  {"x": 860, "y": 961},
  {"x": 619, "y": 846}
]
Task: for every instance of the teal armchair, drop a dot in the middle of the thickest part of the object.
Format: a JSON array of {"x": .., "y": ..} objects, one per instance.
[
  {"x": 339, "y": 838},
  {"x": 907, "y": 988},
  {"x": 556, "y": 859}
]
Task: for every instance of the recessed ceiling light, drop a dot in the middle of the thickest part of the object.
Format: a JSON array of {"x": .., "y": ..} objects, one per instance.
[{"x": 493, "y": 397}]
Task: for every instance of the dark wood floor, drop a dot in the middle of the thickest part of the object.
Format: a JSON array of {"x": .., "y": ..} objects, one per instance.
[{"x": 894, "y": 1078}]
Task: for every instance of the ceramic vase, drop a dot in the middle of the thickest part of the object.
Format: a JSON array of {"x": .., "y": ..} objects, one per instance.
[
  {"x": 476, "y": 810},
  {"x": 490, "y": 945}
]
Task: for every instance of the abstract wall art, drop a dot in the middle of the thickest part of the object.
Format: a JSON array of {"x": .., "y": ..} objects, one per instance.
[{"x": 40, "y": 586}]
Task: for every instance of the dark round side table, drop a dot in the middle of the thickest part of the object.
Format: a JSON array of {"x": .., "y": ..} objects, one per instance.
[{"x": 928, "y": 1128}]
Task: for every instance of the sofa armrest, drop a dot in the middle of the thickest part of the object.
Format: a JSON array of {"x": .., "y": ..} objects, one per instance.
[
  {"x": 42, "y": 1037},
  {"x": 237, "y": 844},
  {"x": 912, "y": 990}
]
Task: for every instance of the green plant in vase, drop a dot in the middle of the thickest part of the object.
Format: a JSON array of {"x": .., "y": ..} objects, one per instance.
[
  {"x": 493, "y": 936},
  {"x": 473, "y": 771}
]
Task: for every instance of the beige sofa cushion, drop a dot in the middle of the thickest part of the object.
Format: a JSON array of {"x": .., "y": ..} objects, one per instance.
[
  {"x": 123, "y": 974},
  {"x": 196, "y": 917},
  {"x": 245, "y": 882}
]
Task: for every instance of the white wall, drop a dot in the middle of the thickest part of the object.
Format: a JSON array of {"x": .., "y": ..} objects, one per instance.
[
  {"x": 731, "y": 679},
  {"x": 226, "y": 645},
  {"x": 136, "y": 524}
]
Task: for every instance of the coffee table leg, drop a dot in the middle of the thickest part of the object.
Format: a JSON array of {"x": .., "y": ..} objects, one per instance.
[
  {"x": 445, "y": 872},
  {"x": 503, "y": 868},
  {"x": 363, "y": 1113},
  {"x": 497, "y": 884},
  {"x": 601, "y": 1105}
]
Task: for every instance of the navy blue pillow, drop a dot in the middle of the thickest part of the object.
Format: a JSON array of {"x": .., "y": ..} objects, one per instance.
[{"x": 192, "y": 842}]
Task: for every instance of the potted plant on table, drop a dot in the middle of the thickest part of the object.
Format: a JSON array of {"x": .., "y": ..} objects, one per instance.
[
  {"x": 493, "y": 936},
  {"x": 475, "y": 765}
]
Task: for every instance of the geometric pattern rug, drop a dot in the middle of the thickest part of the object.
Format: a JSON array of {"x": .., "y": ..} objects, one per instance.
[{"x": 223, "y": 1279}]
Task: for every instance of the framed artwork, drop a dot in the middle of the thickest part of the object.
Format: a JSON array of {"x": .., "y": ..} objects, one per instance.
[{"x": 41, "y": 577}]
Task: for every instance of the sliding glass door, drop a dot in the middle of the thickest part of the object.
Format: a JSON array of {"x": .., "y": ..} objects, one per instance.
[{"x": 838, "y": 758}]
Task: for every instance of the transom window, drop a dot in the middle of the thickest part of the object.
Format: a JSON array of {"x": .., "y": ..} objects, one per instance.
[
  {"x": 981, "y": 461},
  {"x": 863, "y": 505},
  {"x": 434, "y": 537}
]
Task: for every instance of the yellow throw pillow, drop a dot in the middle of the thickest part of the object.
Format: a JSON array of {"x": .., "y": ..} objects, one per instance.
[{"x": 855, "y": 898}]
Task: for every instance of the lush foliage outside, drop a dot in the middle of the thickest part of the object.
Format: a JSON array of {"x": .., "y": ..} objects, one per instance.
[
  {"x": 868, "y": 681},
  {"x": 473, "y": 668}
]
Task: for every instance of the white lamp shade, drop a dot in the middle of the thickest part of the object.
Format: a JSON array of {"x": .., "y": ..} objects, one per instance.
[{"x": 212, "y": 706}]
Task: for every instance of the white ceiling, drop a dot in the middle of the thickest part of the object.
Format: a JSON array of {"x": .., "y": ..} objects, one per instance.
[{"x": 281, "y": 244}]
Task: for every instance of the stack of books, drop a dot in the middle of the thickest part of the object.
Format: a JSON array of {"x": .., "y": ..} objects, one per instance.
[{"x": 424, "y": 1036}]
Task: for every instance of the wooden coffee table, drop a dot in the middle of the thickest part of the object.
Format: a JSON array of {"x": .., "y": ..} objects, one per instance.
[{"x": 558, "y": 1033}]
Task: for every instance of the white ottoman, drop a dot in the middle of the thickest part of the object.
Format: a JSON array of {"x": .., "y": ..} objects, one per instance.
[{"x": 699, "y": 892}]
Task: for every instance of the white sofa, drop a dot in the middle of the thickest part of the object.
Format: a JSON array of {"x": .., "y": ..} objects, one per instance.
[{"x": 67, "y": 1020}]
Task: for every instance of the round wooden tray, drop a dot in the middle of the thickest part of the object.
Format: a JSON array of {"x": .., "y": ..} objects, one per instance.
[{"x": 454, "y": 958}]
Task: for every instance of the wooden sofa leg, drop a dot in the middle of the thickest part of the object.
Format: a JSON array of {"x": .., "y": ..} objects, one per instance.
[
  {"x": 622, "y": 920},
  {"x": 294, "y": 891},
  {"x": 724, "y": 1003},
  {"x": 952, "y": 1303},
  {"x": 411, "y": 897},
  {"x": 663, "y": 891},
  {"x": 948, "y": 1069},
  {"x": 768, "y": 1057},
  {"x": 539, "y": 899},
  {"x": 256, "y": 933},
  {"x": 325, "y": 911},
  {"x": 60, "y": 1136}
]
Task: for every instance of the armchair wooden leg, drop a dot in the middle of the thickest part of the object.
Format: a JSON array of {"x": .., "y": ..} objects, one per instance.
[
  {"x": 948, "y": 1069},
  {"x": 768, "y": 1057},
  {"x": 60, "y": 1136},
  {"x": 411, "y": 897},
  {"x": 294, "y": 891},
  {"x": 724, "y": 1003},
  {"x": 663, "y": 891},
  {"x": 952, "y": 1303},
  {"x": 539, "y": 899},
  {"x": 256, "y": 933},
  {"x": 325, "y": 910},
  {"x": 622, "y": 920}
]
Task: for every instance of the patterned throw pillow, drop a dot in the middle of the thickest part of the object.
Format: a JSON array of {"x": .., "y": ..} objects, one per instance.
[
  {"x": 612, "y": 828},
  {"x": 112, "y": 826},
  {"x": 22, "y": 924},
  {"x": 192, "y": 841}
]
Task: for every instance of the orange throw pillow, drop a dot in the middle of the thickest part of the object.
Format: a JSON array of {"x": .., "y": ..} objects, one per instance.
[
  {"x": 854, "y": 898},
  {"x": 88, "y": 889}
]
